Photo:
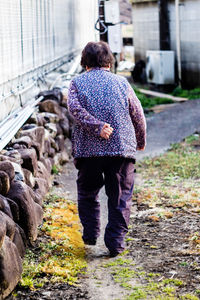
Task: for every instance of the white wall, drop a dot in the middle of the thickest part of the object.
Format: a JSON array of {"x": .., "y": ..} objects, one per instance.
[
  {"x": 190, "y": 39},
  {"x": 36, "y": 36},
  {"x": 145, "y": 28}
]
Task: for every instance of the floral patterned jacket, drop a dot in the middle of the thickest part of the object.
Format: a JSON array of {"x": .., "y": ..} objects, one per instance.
[{"x": 98, "y": 96}]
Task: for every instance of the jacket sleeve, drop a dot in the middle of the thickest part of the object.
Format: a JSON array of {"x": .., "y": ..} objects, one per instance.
[
  {"x": 138, "y": 118},
  {"x": 80, "y": 114}
]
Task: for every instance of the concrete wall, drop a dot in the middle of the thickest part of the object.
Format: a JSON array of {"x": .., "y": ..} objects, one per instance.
[
  {"x": 146, "y": 34},
  {"x": 190, "y": 39},
  {"x": 145, "y": 28}
]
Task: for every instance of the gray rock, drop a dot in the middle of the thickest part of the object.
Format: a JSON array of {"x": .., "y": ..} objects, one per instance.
[
  {"x": 10, "y": 225},
  {"x": 5, "y": 207},
  {"x": 14, "y": 209},
  {"x": 29, "y": 126},
  {"x": 7, "y": 167},
  {"x": 48, "y": 164},
  {"x": 36, "y": 118},
  {"x": 60, "y": 142},
  {"x": 14, "y": 155},
  {"x": 39, "y": 214},
  {"x": 10, "y": 267},
  {"x": 51, "y": 127},
  {"x": 38, "y": 149},
  {"x": 19, "y": 174},
  {"x": 44, "y": 173},
  {"x": 28, "y": 213},
  {"x": 59, "y": 129},
  {"x": 19, "y": 240},
  {"x": 24, "y": 140},
  {"x": 36, "y": 196},
  {"x": 19, "y": 146},
  {"x": 50, "y": 106},
  {"x": 64, "y": 124},
  {"x": 4, "y": 183},
  {"x": 2, "y": 231},
  {"x": 41, "y": 186},
  {"x": 54, "y": 145},
  {"x": 64, "y": 111},
  {"x": 37, "y": 136},
  {"x": 52, "y": 152},
  {"x": 50, "y": 117},
  {"x": 61, "y": 158},
  {"x": 47, "y": 147},
  {"x": 29, "y": 157},
  {"x": 29, "y": 178}
]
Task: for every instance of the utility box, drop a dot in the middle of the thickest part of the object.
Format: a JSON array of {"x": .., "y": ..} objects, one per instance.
[
  {"x": 115, "y": 38},
  {"x": 112, "y": 13},
  {"x": 112, "y": 20},
  {"x": 160, "y": 67}
]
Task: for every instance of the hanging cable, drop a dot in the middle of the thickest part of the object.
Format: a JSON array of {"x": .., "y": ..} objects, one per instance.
[{"x": 100, "y": 22}]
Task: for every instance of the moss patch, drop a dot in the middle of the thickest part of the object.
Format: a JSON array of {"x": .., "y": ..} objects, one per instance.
[{"x": 60, "y": 257}]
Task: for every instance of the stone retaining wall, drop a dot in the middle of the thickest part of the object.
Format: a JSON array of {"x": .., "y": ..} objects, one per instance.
[{"x": 25, "y": 178}]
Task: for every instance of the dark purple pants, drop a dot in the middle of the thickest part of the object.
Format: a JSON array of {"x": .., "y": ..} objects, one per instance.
[{"x": 117, "y": 174}]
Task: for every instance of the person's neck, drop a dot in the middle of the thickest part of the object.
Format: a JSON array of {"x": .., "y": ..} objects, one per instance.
[{"x": 102, "y": 68}]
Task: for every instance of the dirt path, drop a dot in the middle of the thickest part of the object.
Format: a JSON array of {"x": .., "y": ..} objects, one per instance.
[{"x": 168, "y": 127}]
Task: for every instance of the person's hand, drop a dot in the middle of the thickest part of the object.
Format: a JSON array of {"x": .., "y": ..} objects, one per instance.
[
  {"x": 106, "y": 131},
  {"x": 140, "y": 149}
]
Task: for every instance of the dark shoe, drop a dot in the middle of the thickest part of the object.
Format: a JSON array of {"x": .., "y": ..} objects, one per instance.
[
  {"x": 114, "y": 253},
  {"x": 90, "y": 242}
]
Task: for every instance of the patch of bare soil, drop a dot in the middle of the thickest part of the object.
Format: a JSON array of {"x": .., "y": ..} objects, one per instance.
[
  {"x": 167, "y": 246},
  {"x": 53, "y": 291},
  {"x": 49, "y": 291}
]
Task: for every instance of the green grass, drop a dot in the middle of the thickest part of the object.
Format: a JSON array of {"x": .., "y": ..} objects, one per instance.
[
  {"x": 182, "y": 161},
  {"x": 148, "y": 102},
  {"x": 55, "y": 170},
  {"x": 142, "y": 285},
  {"x": 190, "y": 94}
]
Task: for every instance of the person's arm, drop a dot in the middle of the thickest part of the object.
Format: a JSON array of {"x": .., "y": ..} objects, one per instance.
[
  {"x": 138, "y": 119},
  {"x": 84, "y": 118}
]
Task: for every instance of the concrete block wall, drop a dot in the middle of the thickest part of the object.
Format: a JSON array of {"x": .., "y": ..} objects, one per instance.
[
  {"x": 146, "y": 34},
  {"x": 190, "y": 39},
  {"x": 145, "y": 28}
]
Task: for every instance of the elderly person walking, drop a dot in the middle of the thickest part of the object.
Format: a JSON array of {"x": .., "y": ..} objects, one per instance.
[{"x": 109, "y": 127}]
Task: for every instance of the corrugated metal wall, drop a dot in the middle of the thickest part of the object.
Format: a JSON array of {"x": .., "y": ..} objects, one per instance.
[{"x": 35, "y": 37}]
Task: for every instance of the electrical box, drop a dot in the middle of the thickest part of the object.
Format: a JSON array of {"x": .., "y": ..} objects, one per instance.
[
  {"x": 115, "y": 38},
  {"x": 160, "y": 67},
  {"x": 112, "y": 18},
  {"x": 112, "y": 14}
]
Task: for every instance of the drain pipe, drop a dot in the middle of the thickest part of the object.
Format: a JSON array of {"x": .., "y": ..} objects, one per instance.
[
  {"x": 164, "y": 25},
  {"x": 178, "y": 42}
]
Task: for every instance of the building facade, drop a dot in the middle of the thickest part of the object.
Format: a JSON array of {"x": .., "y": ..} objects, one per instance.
[{"x": 146, "y": 27}]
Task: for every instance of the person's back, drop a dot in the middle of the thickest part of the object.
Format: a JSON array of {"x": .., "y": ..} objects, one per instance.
[{"x": 105, "y": 96}]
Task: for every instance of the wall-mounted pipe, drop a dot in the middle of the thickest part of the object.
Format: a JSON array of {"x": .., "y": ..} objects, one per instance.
[
  {"x": 14, "y": 122},
  {"x": 178, "y": 41}
]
